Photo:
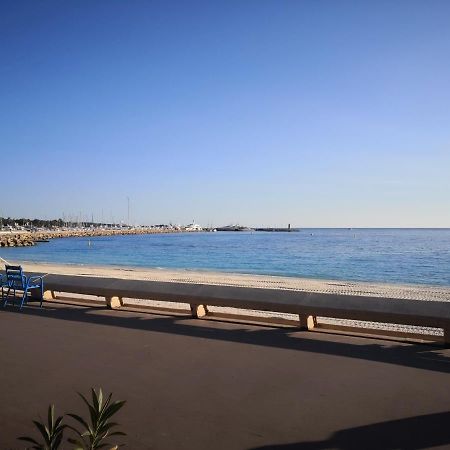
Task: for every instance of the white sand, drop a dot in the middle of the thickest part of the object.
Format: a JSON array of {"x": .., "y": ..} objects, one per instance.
[{"x": 397, "y": 291}]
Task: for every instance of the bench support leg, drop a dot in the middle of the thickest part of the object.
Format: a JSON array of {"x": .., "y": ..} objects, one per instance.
[
  {"x": 199, "y": 311},
  {"x": 47, "y": 295},
  {"x": 447, "y": 336},
  {"x": 114, "y": 302},
  {"x": 307, "y": 322}
]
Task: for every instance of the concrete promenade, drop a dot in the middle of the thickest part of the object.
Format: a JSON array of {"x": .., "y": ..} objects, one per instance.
[
  {"x": 342, "y": 298},
  {"x": 193, "y": 384}
]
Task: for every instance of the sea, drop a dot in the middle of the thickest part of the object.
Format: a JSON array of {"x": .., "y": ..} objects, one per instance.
[{"x": 417, "y": 256}]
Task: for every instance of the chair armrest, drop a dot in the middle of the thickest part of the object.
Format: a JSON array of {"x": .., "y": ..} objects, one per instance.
[{"x": 35, "y": 278}]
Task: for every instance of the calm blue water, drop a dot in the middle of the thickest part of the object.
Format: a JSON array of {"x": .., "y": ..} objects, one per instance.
[{"x": 388, "y": 255}]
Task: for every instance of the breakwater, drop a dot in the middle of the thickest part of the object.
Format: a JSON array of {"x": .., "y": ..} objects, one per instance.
[
  {"x": 278, "y": 230},
  {"x": 27, "y": 239}
]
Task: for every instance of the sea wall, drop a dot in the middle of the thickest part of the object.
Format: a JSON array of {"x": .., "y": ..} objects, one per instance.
[
  {"x": 25, "y": 239},
  {"x": 16, "y": 240}
]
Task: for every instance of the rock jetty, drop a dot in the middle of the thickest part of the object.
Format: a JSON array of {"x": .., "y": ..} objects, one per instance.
[
  {"x": 16, "y": 240},
  {"x": 26, "y": 239}
]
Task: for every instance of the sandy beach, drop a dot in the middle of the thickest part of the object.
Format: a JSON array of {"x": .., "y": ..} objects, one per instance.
[{"x": 384, "y": 290}]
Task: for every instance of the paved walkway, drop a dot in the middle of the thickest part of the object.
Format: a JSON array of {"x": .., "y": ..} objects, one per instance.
[{"x": 193, "y": 384}]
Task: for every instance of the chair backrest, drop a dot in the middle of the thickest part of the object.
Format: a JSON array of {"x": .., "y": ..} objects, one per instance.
[{"x": 14, "y": 276}]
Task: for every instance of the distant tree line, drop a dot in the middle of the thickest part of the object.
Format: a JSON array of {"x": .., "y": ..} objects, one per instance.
[{"x": 40, "y": 223}]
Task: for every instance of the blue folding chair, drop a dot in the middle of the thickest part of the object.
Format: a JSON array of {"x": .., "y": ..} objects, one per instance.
[{"x": 16, "y": 280}]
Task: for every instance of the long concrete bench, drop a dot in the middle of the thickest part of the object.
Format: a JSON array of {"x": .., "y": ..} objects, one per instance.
[{"x": 307, "y": 305}]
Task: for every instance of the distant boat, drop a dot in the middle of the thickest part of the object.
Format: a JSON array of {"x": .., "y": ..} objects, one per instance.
[
  {"x": 234, "y": 228},
  {"x": 193, "y": 227}
]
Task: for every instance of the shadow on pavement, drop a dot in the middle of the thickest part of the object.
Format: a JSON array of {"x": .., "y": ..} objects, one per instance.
[
  {"x": 418, "y": 356},
  {"x": 413, "y": 433}
]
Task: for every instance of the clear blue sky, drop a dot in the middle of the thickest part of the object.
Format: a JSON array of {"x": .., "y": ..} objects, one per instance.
[{"x": 314, "y": 113}]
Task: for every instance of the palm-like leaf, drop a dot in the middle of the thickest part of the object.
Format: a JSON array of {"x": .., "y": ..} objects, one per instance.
[
  {"x": 100, "y": 412},
  {"x": 52, "y": 433}
]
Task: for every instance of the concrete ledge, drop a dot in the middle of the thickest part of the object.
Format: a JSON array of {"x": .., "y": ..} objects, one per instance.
[{"x": 307, "y": 305}]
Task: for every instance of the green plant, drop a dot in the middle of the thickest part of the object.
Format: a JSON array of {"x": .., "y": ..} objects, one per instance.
[
  {"x": 100, "y": 426},
  {"x": 52, "y": 432}
]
